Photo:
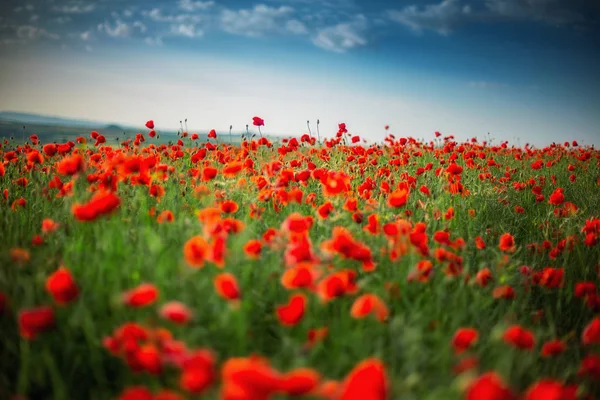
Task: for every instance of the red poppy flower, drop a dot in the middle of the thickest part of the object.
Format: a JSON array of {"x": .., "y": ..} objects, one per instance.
[
  {"x": 291, "y": 313},
  {"x": 368, "y": 380},
  {"x": 369, "y": 304},
  {"x": 140, "y": 296},
  {"x": 34, "y": 321},
  {"x": 553, "y": 348},
  {"x": 61, "y": 286},
  {"x": 176, "y": 312},
  {"x": 519, "y": 337},
  {"x": 226, "y": 286},
  {"x": 256, "y": 121},
  {"x": 463, "y": 339},
  {"x": 489, "y": 386},
  {"x": 507, "y": 243},
  {"x": 591, "y": 333},
  {"x": 150, "y": 124},
  {"x": 198, "y": 372},
  {"x": 196, "y": 251}
]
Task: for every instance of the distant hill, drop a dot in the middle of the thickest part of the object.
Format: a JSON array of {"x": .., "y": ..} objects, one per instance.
[
  {"x": 28, "y": 118},
  {"x": 59, "y": 129}
]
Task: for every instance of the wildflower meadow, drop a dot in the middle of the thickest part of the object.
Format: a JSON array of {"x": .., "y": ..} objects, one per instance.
[{"x": 308, "y": 267}]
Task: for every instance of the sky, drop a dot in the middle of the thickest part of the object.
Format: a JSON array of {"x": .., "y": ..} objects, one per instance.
[{"x": 525, "y": 71}]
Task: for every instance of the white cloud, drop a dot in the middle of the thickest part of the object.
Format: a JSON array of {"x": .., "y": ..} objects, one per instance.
[
  {"x": 187, "y": 30},
  {"x": 254, "y": 22},
  {"x": 86, "y": 35},
  {"x": 34, "y": 18},
  {"x": 75, "y": 8},
  {"x": 190, "y": 5},
  {"x": 157, "y": 15},
  {"x": 127, "y": 13},
  {"x": 342, "y": 37},
  {"x": 296, "y": 27},
  {"x": 29, "y": 32},
  {"x": 120, "y": 29},
  {"x": 442, "y": 18}
]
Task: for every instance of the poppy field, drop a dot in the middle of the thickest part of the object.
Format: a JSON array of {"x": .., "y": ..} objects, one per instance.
[{"x": 309, "y": 268}]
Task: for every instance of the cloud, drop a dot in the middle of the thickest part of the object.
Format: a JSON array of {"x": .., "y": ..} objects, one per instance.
[
  {"x": 342, "y": 37},
  {"x": 187, "y": 30},
  {"x": 121, "y": 29},
  {"x": 446, "y": 16},
  {"x": 254, "y": 22},
  {"x": 190, "y": 5},
  {"x": 85, "y": 35},
  {"x": 62, "y": 19},
  {"x": 29, "y": 32},
  {"x": 442, "y": 18},
  {"x": 296, "y": 27},
  {"x": 75, "y": 8},
  {"x": 555, "y": 12},
  {"x": 157, "y": 15}
]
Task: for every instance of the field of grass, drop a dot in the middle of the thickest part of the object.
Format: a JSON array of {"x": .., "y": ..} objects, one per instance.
[{"x": 333, "y": 270}]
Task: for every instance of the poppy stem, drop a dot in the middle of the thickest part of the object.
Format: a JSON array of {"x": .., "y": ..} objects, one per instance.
[
  {"x": 259, "y": 131},
  {"x": 318, "y": 133}
]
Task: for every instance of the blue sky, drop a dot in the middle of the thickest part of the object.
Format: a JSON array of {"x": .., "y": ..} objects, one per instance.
[{"x": 523, "y": 70}]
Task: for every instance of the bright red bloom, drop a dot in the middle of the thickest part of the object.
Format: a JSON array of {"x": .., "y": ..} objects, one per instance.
[
  {"x": 553, "y": 348},
  {"x": 136, "y": 393},
  {"x": 34, "y": 321},
  {"x": 557, "y": 197},
  {"x": 70, "y": 165},
  {"x": 49, "y": 226},
  {"x": 256, "y": 121},
  {"x": 176, "y": 312},
  {"x": 150, "y": 124},
  {"x": 463, "y": 339},
  {"x": 253, "y": 248},
  {"x": 507, "y": 243},
  {"x": 300, "y": 382},
  {"x": 196, "y": 251},
  {"x": 198, "y": 372},
  {"x": 101, "y": 203},
  {"x": 368, "y": 380},
  {"x": 519, "y": 337},
  {"x": 489, "y": 386},
  {"x": 291, "y": 313},
  {"x": 548, "y": 389},
  {"x": 140, "y": 296},
  {"x": 61, "y": 286},
  {"x": 591, "y": 333},
  {"x": 398, "y": 198},
  {"x": 226, "y": 286},
  {"x": 369, "y": 304}
]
